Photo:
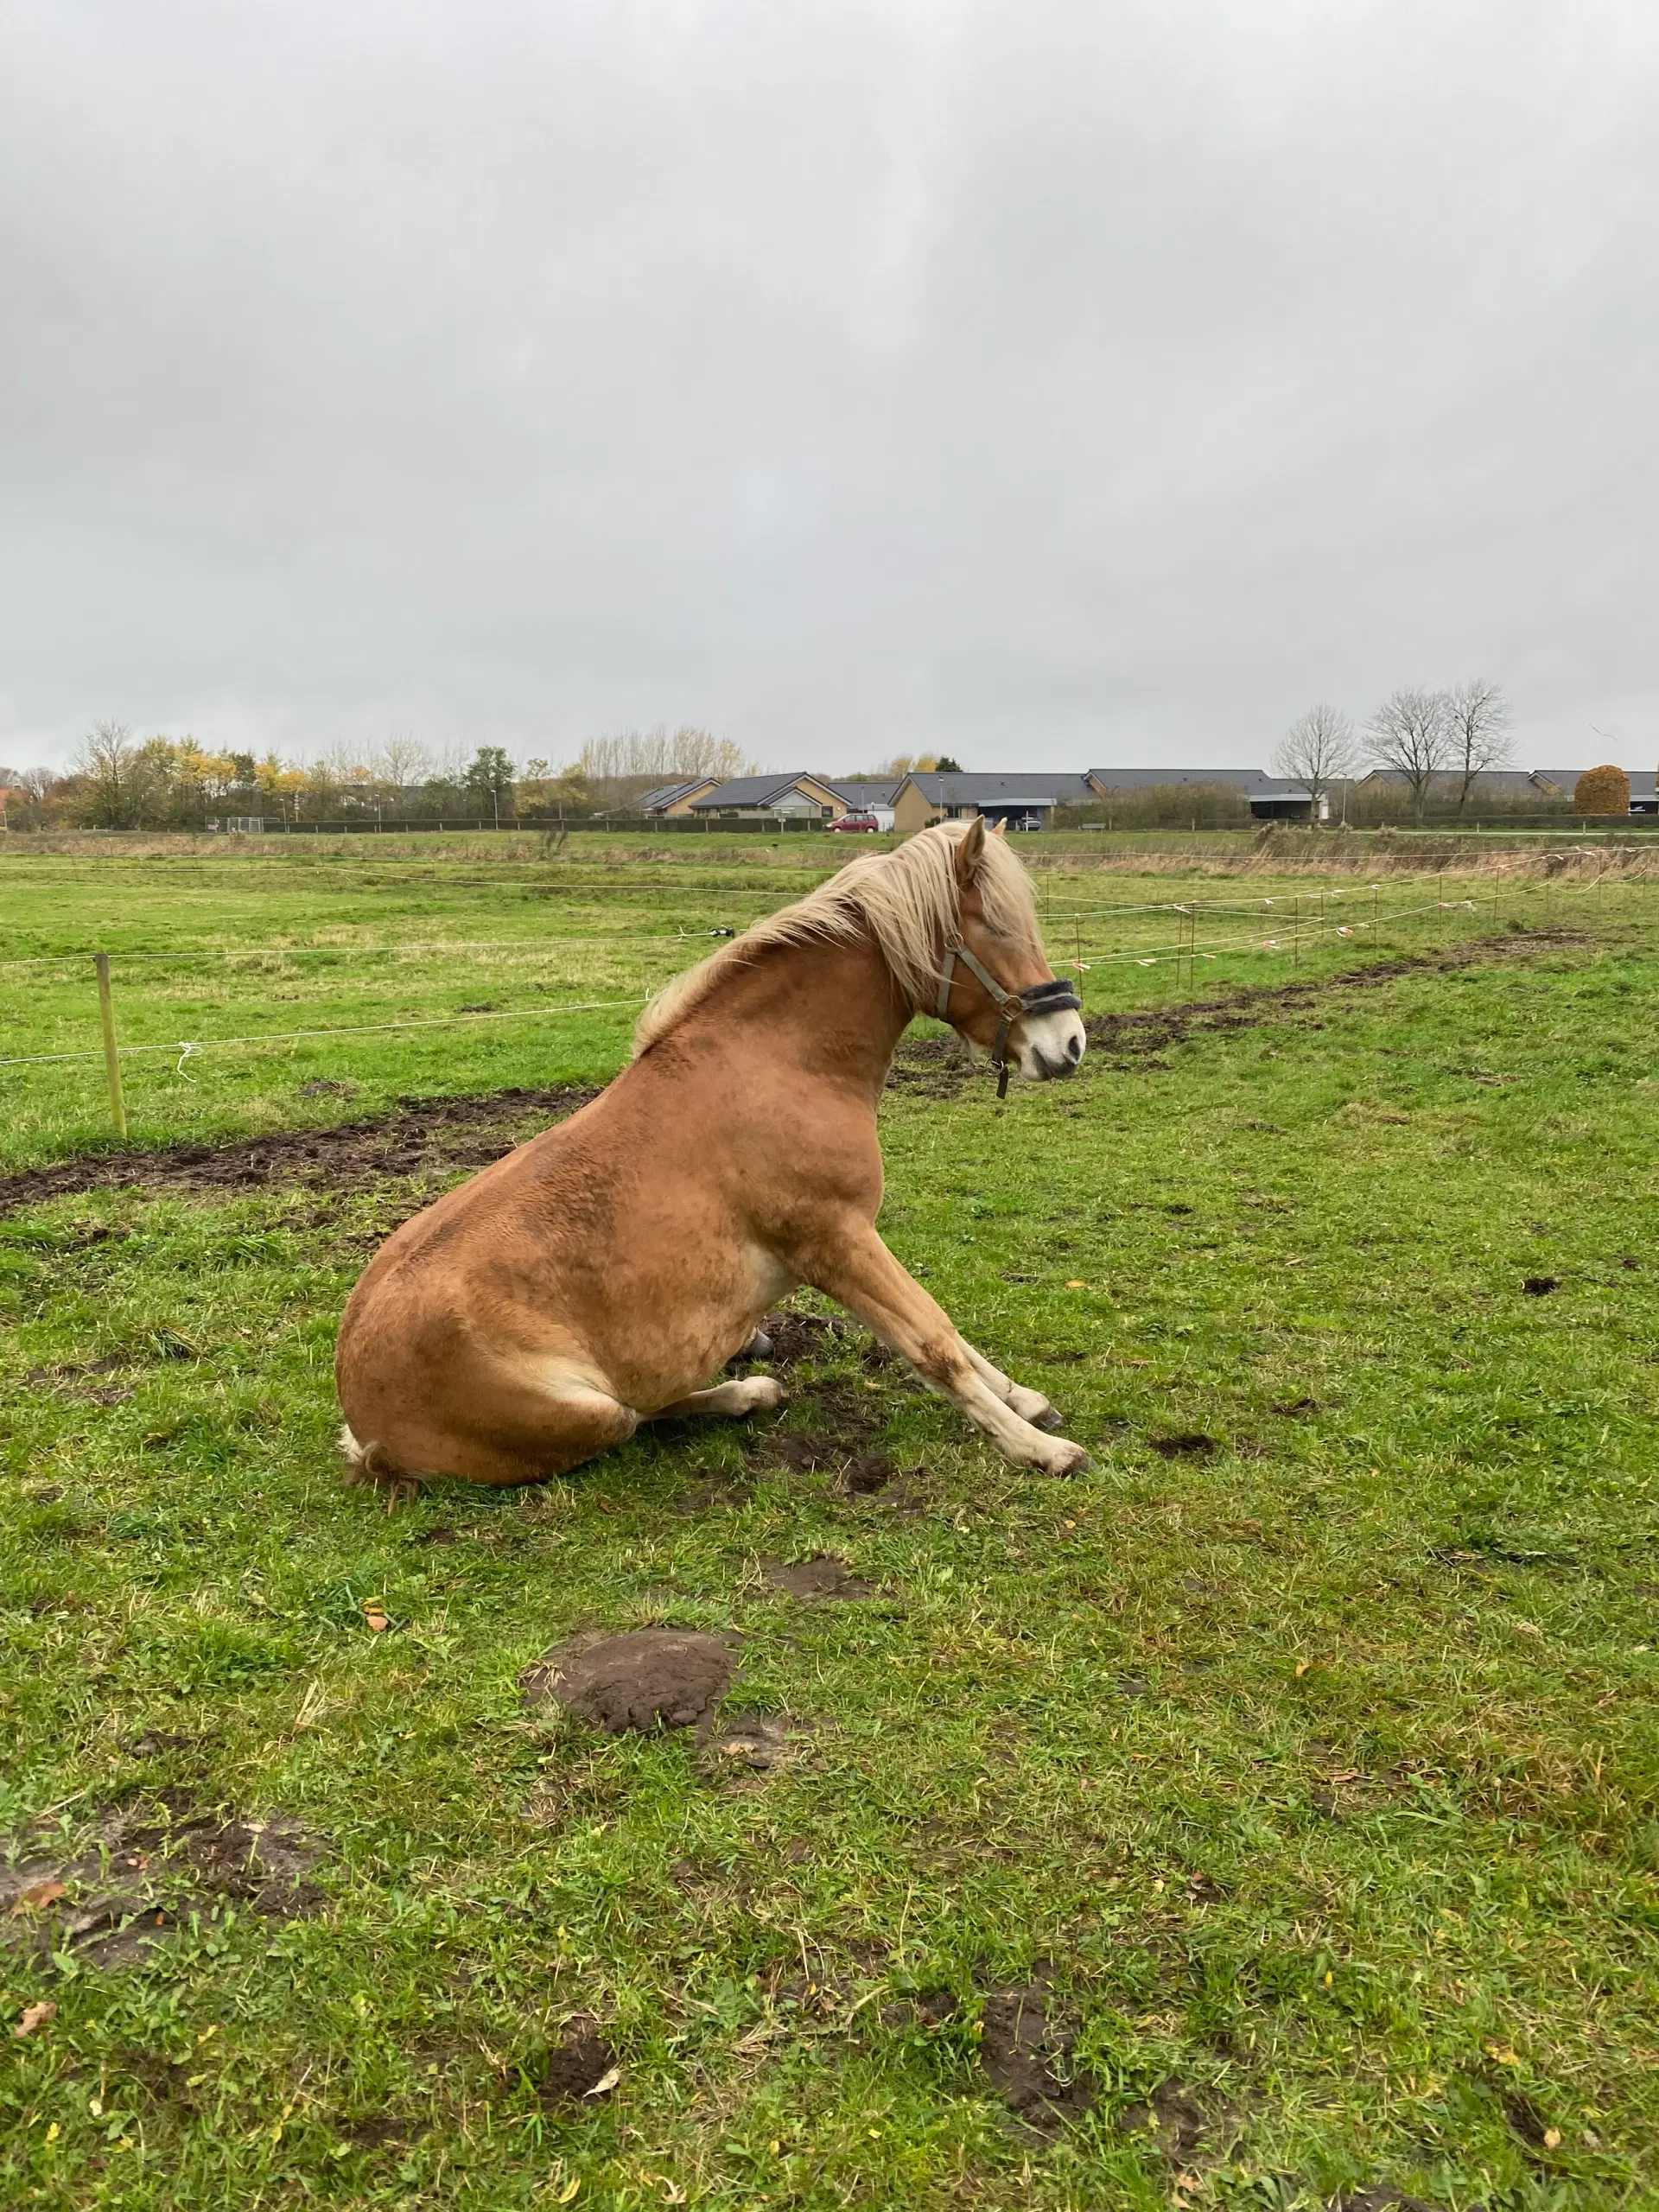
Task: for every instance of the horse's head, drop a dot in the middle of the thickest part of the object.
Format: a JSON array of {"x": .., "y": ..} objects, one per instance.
[{"x": 996, "y": 988}]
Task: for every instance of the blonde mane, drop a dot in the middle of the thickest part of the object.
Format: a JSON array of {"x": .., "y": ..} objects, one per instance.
[{"x": 906, "y": 900}]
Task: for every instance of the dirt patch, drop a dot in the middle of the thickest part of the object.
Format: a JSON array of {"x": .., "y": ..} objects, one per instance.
[
  {"x": 822, "y": 1576},
  {"x": 1174, "y": 2117},
  {"x": 1192, "y": 1444},
  {"x": 936, "y": 1067},
  {"x": 1541, "y": 1286},
  {"x": 1128, "y": 1037},
  {"x": 1026, "y": 2051},
  {"x": 118, "y": 1897},
  {"x": 804, "y": 1451},
  {"x": 793, "y": 1336},
  {"x": 755, "y": 1740},
  {"x": 580, "y": 2068},
  {"x": 265, "y": 1864},
  {"x": 869, "y": 1472},
  {"x": 653, "y": 1678},
  {"x": 424, "y": 1135},
  {"x": 1381, "y": 2199}
]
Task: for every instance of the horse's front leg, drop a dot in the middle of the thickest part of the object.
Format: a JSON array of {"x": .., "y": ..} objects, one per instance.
[
  {"x": 1030, "y": 1404},
  {"x": 751, "y": 1394},
  {"x": 857, "y": 1269}
]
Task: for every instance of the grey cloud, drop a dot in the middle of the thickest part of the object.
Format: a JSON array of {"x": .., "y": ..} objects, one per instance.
[{"x": 1047, "y": 382}]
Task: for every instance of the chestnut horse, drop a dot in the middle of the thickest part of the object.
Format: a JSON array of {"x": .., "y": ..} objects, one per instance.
[{"x": 599, "y": 1275}]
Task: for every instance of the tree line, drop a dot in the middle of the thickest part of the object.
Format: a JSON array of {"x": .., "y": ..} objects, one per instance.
[
  {"x": 1427, "y": 739},
  {"x": 1437, "y": 745},
  {"x": 120, "y": 781}
]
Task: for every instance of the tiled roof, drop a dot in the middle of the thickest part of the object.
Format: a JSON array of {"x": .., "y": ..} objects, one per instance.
[
  {"x": 666, "y": 794},
  {"x": 1243, "y": 779},
  {"x": 760, "y": 791},
  {"x": 1030, "y": 787}
]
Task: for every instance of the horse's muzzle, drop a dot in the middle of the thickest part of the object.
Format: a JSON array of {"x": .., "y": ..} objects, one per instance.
[{"x": 1048, "y": 1046}]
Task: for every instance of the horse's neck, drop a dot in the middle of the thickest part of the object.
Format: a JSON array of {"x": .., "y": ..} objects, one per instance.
[{"x": 832, "y": 1009}]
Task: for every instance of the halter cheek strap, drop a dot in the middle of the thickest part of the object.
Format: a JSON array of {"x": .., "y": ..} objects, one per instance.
[{"x": 1055, "y": 996}]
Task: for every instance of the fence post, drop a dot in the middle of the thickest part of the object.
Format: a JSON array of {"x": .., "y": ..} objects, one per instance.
[{"x": 112, "y": 1057}]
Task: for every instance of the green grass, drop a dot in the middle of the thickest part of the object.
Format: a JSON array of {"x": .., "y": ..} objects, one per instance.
[{"x": 1317, "y": 1770}]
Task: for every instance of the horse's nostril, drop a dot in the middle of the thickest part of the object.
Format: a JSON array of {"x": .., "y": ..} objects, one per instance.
[{"x": 1074, "y": 1050}]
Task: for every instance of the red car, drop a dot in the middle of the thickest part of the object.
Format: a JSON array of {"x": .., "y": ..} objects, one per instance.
[{"x": 854, "y": 822}]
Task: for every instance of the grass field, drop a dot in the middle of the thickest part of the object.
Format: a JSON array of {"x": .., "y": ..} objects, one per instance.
[{"x": 1295, "y": 1769}]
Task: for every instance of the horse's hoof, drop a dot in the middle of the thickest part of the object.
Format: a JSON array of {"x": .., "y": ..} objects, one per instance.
[{"x": 1051, "y": 1420}]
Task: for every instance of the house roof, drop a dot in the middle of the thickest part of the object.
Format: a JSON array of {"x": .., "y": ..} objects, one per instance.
[
  {"x": 1254, "y": 781},
  {"x": 762, "y": 790},
  {"x": 1517, "y": 780},
  {"x": 1030, "y": 787},
  {"x": 665, "y": 795},
  {"x": 863, "y": 792},
  {"x": 1641, "y": 779}
]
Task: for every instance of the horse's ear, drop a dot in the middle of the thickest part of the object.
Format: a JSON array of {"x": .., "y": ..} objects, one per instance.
[
  {"x": 970, "y": 850},
  {"x": 1002, "y": 829}
]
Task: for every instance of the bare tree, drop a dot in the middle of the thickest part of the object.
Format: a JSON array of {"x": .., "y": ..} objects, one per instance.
[
  {"x": 661, "y": 754},
  {"x": 401, "y": 760},
  {"x": 108, "y": 758},
  {"x": 1478, "y": 714},
  {"x": 1318, "y": 750},
  {"x": 1411, "y": 736}
]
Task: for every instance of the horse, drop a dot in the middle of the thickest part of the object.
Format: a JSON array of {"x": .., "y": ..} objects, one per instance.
[{"x": 599, "y": 1275}]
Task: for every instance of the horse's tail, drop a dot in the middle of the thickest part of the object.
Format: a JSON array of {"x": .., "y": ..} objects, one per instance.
[{"x": 368, "y": 1464}]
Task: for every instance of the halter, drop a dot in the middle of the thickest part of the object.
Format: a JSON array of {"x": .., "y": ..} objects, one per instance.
[{"x": 1056, "y": 996}]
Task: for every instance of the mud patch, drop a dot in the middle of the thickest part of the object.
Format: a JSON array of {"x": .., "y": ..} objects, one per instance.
[
  {"x": 652, "y": 1678},
  {"x": 1126, "y": 1039},
  {"x": 1541, "y": 1286},
  {"x": 803, "y": 1452},
  {"x": 1381, "y": 2199},
  {"x": 581, "y": 2068},
  {"x": 793, "y": 1336},
  {"x": 935, "y": 1067},
  {"x": 1173, "y": 2118},
  {"x": 265, "y": 1864},
  {"x": 863, "y": 1476},
  {"x": 756, "y": 1741},
  {"x": 1026, "y": 2051},
  {"x": 424, "y": 1135},
  {"x": 121, "y": 1896},
  {"x": 1192, "y": 1443},
  {"x": 812, "y": 1579}
]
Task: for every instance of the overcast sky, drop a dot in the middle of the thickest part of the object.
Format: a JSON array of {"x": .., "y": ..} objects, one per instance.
[{"x": 1056, "y": 382}]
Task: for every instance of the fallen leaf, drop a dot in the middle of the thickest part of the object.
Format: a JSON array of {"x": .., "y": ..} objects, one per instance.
[
  {"x": 569, "y": 2191},
  {"x": 34, "y": 2016},
  {"x": 43, "y": 1894},
  {"x": 1302, "y": 1666},
  {"x": 1552, "y": 2138},
  {"x": 1077, "y": 1283},
  {"x": 1503, "y": 2054},
  {"x": 375, "y": 1616},
  {"x": 607, "y": 2081}
]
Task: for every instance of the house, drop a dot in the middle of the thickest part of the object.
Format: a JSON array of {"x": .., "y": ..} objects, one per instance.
[
  {"x": 1271, "y": 798},
  {"x": 863, "y": 795},
  {"x": 804, "y": 796},
  {"x": 1513, "y": 789},
  {"x": 1025, "y": 801},
  {"x": 1509, "y": 787},
  {"x": 801, "y": 796},
  {"x": 675, "y": 799}
]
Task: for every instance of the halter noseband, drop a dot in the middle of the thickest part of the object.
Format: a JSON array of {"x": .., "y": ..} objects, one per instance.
[{"x": 1056, "y": 996}]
